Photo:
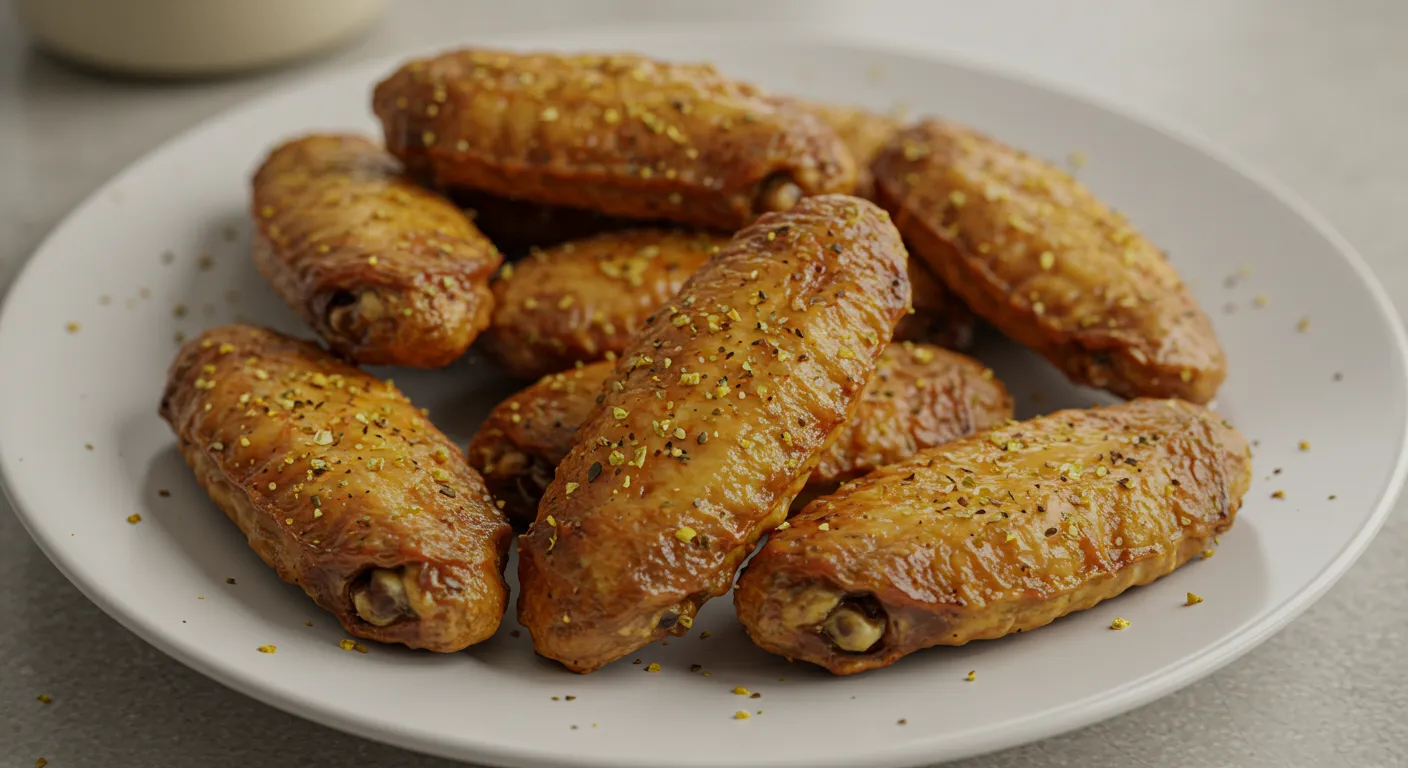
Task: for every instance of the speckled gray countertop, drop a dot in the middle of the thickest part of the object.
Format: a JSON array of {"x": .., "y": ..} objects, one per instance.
[{"x": 1314, "y": 92}]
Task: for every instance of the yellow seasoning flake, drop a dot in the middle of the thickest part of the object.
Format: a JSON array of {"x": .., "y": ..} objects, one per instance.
[
  {"x": 824, "y": 527},
  {"x": 372, "y": 260},
  {"x": 741, "y": 715},
  {"x": 40, "y": 763},
  {"x": 44, "y": 698},
  {"x": 652, "y": 667},
  {"x": 267, "y": 648},
  {"x": 1208, "y": 553},
  {"x": 619, "y": 413},
  {"x": 71, "y": 327},
  {"x": 134, "y": 519},
  {"x": 739, "y": 690},
  {"x": 686, "y": 534},
  {"x": 1119, "y": 623},
  {"x": 1278, "y": 494},
  {"x": 1186, "y": 375},
  {"x": 686, "y": 622},
  {"x": 572, "y": 487},
  {"x": 548, "y": 115},
  {"x": 1261, "y": 301},
  {"x": 784, "y": 526},
  {"x": 690, "y": 379},
  {"x": 1101, "y": 471},
  {"x": 972, "y": 675},
  {"x": 846, "y": 354},
  {"x": 1047, "y": 260},
  {"x": 1305, "y": 445},
  {"x": 957, "y": 198},
  {"x": 1304, "y": 324},
  {"x": 1193, "y": 599},
  {"x": 346, "y": 644}
]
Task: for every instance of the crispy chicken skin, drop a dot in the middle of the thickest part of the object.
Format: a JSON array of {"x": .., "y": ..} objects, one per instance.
[
  {"x": 385, "y": 271},
  {"x": 586, "y": 299},
  {"x": 709, "y": 426},
  {"x": 863, "y": 132},
  {"x": 620, "y": 134},
  {"x": 1033, "y": 252},
  {"x": 919, "y": 396},
  {"x": 996, "y": 533},
  {"x": 342, "y": 487}
]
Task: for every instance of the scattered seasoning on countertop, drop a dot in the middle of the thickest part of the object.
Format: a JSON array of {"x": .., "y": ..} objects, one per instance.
[
  {"x": 89, "y": 446},
  {"x": 134, "y": 518},
  {"x": 1261, "y": 301},
  {"x": 1208, "y": 553},
  {"x": 1332, "y": 497},
  {"x": 741, "y": 715},
  {"x": 40, "y": 763},
  {"x": 44, "y": 698},
  {"x": 652, "y": 667},
  {"x": 1304, "y": 324},
  {"x": 902, "y": 721},
  {"x": 1193, "y": 599},
  {"x": 705, "y": 635},
  {"x": 972, "y": 675},
  {"x": 1119, "y": 623},
  {"x": 1278, "y": 494},
  {"x": 72, "y": 327},
  {"x": 1305, "y": 445},
  {"x": 267, "y": 648},
  {"x": 739, "y": 690}
]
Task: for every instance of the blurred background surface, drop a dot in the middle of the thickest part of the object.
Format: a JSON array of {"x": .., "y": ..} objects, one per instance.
[{"x": 1312, "y": 92}]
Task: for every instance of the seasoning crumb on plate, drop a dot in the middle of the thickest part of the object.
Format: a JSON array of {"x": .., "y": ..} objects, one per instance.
[
  {"x": 1305, "y": 445},
  {"x": 902, "y": 721},
  {"x": 229, "y": 579},
  {"x": 972, "y": 675},
  {"x": 134, "y": 518},
  {"x": 1193, "y": 599},
  {"x": 1278, "y": 494},
  {"x": 739, "y": 690},
  {"x": 1207, "y": 553},
  {"x": 72, "y": 327},
  {"x": 44, "y": 698},
  {"x": 652, "y": 667},
  {"x": 89, "y": 447},
  {"x": 1119, "y": 623},
  {"x": 741, "y": 715},
  {"x": 267, "y": 648}
]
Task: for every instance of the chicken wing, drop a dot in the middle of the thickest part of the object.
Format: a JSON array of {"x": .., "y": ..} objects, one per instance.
[
  {"x": 1033, "y": 252},
  {"x": 342, "y": 487},
  {"x": 385, "y": 271},
  {"x": 864, "y": 133},
  {"x": 920, "y": 396},
  {"x": 996, "y": 533},
  {"x": 711, "y": 422},
  {"x": 620, "y": 134},
  {"x": 586, "y": 299}
]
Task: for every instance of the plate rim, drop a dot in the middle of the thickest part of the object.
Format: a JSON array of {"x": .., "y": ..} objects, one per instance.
[{"x": 953, "y": 745}]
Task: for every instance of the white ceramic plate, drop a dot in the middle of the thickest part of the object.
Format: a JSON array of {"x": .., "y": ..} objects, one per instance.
[{"x": 162, "y": 250}]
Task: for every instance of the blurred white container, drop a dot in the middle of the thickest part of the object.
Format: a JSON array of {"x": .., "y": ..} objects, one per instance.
[{"x": 192, "y": 37}]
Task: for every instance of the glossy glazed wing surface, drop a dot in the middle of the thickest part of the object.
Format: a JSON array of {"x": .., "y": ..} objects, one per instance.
[
  {"x": 620, "y": 134},
  {"x": 333, "y": 476},
  {"x": 585, "y": 299},
  {"x": 995, "y": 533},
  {"x": 919, "y": 396},
  {"x": 519, "y": 445},
  {"x": 710, "y": 424},
  {"x": 1036, "y": 254},
  {"x": 863, "y": 132},
  {"x": 385, "y": 271}
]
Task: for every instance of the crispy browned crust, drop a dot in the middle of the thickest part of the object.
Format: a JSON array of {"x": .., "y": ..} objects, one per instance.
[
  {"x": 644, "y": 520},
  {"x": 586, "y": 299},
  {"x": 919, "y": 396},
  {"x": 385, "y": 271},
  {"x": 620, "y": 134},
  {"x": 1033, "y": 252},
  {"x": 998, "y": 533},
  {"x": 330, "y": 473},
  {"x": 864, "y": 133},
  {"x": 516, "y": 226},
  {"x": 939, "y": 316}
]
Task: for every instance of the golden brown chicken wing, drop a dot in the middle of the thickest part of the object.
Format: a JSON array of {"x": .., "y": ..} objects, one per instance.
[
  {"x": 711, "y": 423},
  {"x": 386, "y": 272},
  {"x": 620, "y": 134},
  {"x": 996, "y": 533},
  {"x": 864, "y": 133},
  {"x": 1033, "y": 252},
  {"x": 586, "y": 299},
  {"x": 341, "y": 486},
  {"x": 920, "y": 396}
]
